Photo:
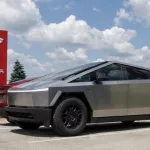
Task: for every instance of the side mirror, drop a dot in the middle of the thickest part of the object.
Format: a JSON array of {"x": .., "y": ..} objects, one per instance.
[{"x": 101, "y": 77}]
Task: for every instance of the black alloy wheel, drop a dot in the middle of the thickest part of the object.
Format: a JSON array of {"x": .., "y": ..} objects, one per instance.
[{"x": 70, "y": 117}]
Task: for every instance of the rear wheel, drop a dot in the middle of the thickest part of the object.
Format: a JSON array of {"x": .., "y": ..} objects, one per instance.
[
  {"x": 128, "y": 122},
  {"x": 70, "y": 117},
  {"x": 28, "y": 126}
]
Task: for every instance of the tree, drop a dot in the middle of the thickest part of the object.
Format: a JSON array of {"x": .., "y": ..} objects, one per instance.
[{"x": 18, "y": 72}]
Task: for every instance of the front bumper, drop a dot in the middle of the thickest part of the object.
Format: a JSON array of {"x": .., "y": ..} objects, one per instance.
[{"x": 40, "y": 116}]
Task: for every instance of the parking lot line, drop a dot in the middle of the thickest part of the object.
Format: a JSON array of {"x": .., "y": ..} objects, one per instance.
[{"x": 90, "y": 135}]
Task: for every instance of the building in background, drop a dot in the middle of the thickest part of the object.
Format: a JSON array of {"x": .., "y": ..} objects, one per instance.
[{"x": 3, "y": 57}]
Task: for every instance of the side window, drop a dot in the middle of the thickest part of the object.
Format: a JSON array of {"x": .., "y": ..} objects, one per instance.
[
  {"x": 133, "y": 73},
  {"x": 86, "y": 78},
  {"x": 109, "y": 73},
  {"x": 112, "y": 72}
]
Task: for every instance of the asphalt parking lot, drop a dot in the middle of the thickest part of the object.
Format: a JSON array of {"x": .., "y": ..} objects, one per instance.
[{"x": 112, "y": 136}]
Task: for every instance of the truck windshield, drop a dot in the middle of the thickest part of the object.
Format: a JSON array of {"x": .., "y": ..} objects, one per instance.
[
  {"x": 52, "y": 78},
  {"x": 69, "y": 72}
]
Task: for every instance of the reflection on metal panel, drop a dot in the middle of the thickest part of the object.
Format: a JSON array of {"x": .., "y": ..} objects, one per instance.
[
  {"x": 56, "y": 97},
  {"x": 110, "y": 100},
  {"x": 109, "y": 112},
  {"x": 139, "y": 98},
  {"x": 39, "y": 98},
  {"x": 139, "y": 111}
]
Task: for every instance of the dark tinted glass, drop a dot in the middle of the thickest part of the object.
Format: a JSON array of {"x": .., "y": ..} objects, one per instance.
[
  {"x": 133, "y": 73},
  {"x": 53, "y": 78},
  {"x": 87, "y": 78},
  {"x": 111, "y": 73}
]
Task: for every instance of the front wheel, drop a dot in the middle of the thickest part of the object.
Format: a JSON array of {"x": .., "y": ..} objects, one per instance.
[
  {"x": 11, "y": 121},
  {"x": 28, "y": 126},
  {"x": 70, "y": 117}
]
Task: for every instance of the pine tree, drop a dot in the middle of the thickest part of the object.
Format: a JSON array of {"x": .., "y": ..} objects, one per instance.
[{"x": 18, "y": 72}]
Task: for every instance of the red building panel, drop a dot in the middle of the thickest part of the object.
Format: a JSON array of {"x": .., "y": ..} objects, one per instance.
[{"x": 3, "y": 57}]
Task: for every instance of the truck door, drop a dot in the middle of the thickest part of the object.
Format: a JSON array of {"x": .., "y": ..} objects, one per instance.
[
  {"x": 111, "y": 94},
  {"x": 139, "y": 91}
]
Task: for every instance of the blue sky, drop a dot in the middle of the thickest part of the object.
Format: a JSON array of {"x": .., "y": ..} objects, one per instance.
[{"x": 51, "y": 35}]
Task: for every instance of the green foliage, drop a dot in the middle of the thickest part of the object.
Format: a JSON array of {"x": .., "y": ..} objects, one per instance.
[{"x": 18, "y": 72}]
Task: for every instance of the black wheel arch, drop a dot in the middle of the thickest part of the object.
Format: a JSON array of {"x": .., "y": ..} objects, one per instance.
[{"x": 79, "y": 95}]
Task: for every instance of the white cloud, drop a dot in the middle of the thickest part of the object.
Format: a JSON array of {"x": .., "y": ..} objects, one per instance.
[
  {"x": 135, "y": 10},
  {"x": 96, "y": 9},
  {"x": 140, "y": 57},
  {"x": 77, "y": 33},
  {"x": 18, "y": 16},
  {"x": 32, "y": 66},
  {"x": 69, "y": 5},
  {"x": 64, "y": 55},
  {"x": 23, "y": 42},
  {"x": 75, "y": 37},
  {"x": 42, "y": 1},
  {"x": 62, "y": 58},
  {"x": 99, "y": 60},
  {"x": 24, "y": 20},
  {"x": 122, "y": 15}
]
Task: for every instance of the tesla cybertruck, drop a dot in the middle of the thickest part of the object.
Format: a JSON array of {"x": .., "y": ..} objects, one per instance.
[{"x": 92, "y": 93}]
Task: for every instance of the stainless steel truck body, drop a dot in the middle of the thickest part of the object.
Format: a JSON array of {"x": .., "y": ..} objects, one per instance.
[{"x": 96, "y": 92}]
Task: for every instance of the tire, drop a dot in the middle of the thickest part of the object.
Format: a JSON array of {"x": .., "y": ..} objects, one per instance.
[
  {"x": 70, "y": 117},
  {"x": 128, "y": 122},
  {"x": 28, "y": 126},
  {"x": 10, "y": 121}
]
